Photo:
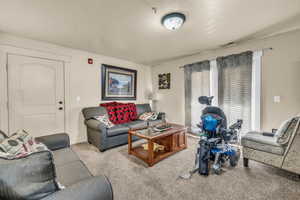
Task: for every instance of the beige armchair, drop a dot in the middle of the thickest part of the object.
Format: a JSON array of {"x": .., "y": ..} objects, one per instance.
[{"x": 281, "y": 149}]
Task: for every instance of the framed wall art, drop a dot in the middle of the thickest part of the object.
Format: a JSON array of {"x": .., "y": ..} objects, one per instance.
[
  {"x": 118, "y": 83},
  {"x": 164, "y": 81}
]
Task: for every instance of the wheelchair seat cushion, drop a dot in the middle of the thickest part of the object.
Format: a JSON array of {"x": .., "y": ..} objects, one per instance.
[{"x": 257, "y": 141}]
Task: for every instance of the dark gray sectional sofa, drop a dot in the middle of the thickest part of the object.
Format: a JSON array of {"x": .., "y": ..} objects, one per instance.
[
  {"x": 69, "y": 168},
  {"x": 105, "y": 138},
  {"x": 71, "y": 172}
]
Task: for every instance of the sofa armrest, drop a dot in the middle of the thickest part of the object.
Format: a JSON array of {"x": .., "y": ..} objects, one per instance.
[
  {"x": 95, "y": 124},
  {"x": 93, "y": 188},
  {"x": 161, "y": 116},
  {"x": 56, "y": 141}
]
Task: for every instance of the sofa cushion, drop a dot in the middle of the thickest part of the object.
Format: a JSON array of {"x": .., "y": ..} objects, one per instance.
[
  {"x": 55, "y": 141},
  {"x": 136, "y": 124},
  {"x": 64, "y": 156},
  {"x": 257, "y": 141},
  {"x": 142, "y": 108},
  {"x": 94, "y": 188},
  {"x": 31, "y": 177},
  {"x": 117, "y": 130},
  {"x": 72, "y": 172}
]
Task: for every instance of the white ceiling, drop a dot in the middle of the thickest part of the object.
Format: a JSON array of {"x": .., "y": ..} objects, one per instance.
[{"x": 129, "y": 29}]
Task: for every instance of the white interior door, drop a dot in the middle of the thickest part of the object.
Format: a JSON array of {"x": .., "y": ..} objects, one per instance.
[{"x": 36, "y": 95}]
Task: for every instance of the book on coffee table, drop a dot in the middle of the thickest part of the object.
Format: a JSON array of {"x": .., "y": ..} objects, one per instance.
[{"x": 162, "y": 127}]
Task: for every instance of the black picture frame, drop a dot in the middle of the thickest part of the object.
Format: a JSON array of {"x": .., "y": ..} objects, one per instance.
[{"x": 108, "y": 71}]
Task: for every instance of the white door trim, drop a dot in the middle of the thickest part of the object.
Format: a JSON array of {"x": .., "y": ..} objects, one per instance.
[
  {"x": 4, "y": 51},
  {"x": 39, "y": 53}
]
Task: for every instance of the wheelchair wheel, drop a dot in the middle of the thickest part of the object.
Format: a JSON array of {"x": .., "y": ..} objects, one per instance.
[{"x": 233, "y": 160}]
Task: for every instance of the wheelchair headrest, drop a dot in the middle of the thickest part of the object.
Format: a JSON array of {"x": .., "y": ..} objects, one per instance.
[{"x": 205, "y": 100}]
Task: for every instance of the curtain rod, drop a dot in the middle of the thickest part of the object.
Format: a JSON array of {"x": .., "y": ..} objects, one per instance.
[{"x": 264, "y": 49}]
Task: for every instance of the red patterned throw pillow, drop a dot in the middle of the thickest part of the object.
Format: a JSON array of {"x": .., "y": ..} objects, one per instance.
[
  {"x": 113, "y": 103},
  {"x": 120, "y": 113},
  {"x": 132, "y": 111}
]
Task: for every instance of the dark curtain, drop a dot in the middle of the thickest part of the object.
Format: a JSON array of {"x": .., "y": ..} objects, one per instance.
[{"x": 235, "y": 82}]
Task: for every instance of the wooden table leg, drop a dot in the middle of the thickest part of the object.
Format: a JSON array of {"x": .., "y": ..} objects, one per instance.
[
  {"x": 185, "y": 139},
  {"x": 150, "y": 153},
  {"x": 129, "y": 143}
]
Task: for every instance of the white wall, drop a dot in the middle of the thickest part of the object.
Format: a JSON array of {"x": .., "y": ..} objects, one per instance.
[
  {"x": 280, "y": 77},
  {"x": 82, "y": 79}
]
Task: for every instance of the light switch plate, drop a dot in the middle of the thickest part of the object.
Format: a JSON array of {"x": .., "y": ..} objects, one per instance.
[
  {"x": 78, "y": 98},
  {"x": 277, "y": 99}
]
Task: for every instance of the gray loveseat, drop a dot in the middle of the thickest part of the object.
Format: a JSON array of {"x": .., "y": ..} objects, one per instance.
[
  {"x": 105, "y": 138},
  {"x": 70, "y": 172}
]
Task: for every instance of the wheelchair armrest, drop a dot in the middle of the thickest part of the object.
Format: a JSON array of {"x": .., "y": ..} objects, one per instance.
[{"x": 214, "y": 140}]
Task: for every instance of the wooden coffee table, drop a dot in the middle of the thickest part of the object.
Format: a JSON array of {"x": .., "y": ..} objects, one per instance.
[{"x": 173, "y": 140}]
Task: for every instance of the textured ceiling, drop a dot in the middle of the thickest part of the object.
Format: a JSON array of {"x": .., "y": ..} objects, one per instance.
[{"x": 129, "y": 29}]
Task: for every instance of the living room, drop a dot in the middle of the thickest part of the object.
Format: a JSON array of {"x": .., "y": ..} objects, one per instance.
[{"x": 173, "y": 52}]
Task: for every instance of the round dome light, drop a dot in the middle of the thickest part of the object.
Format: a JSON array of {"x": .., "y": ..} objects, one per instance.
[{"x": 173, "y": 21}]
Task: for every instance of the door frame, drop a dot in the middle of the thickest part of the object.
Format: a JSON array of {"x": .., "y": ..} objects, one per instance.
[{"x": 6, "y": 50}]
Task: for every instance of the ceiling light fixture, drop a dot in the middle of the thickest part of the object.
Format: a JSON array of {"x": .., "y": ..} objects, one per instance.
[{"x": 173, "y": 21}]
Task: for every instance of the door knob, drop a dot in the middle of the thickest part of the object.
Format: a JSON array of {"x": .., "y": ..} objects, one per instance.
[{"x": 60, "y": 108}]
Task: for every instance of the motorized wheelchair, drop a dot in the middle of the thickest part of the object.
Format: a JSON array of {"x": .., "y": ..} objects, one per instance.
[{"x": 217, "y": 143}]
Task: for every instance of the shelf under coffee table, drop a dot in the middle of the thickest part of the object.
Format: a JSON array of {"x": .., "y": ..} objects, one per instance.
[{"x": 173, "y": 140}]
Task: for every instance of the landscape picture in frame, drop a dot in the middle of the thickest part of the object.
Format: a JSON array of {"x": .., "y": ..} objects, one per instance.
[
  {"x": 118, "y": 83},
  {"x": 164, "y": 81}
]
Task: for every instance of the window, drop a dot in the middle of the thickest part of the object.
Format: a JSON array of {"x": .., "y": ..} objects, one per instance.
[
  {"x": 234, "y": 91},
  {"x": 235, "y": 83}
]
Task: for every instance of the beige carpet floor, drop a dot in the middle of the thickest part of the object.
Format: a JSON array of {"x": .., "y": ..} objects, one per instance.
[{"x": 133, "y": 180}]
